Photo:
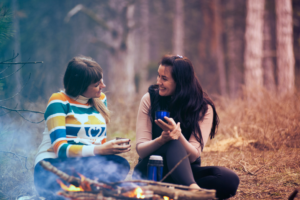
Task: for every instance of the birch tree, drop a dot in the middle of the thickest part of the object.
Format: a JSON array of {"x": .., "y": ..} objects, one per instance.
[
  {"x": 268, "y": 48},
  {"x": 218, "y": 46},
  {"x": 285, "y": 54},
  {"x": 235, "y": 44},
  {"x": 254, "y": 44},
  {"x": 178, "y": 38}
]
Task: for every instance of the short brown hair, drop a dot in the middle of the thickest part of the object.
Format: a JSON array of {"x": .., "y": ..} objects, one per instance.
[{"x": 80, "y": 73}]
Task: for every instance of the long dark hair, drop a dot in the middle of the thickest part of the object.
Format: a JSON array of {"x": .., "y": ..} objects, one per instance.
[
  {"x": 189, "y": 103},
  {"x": 80, "y": 73}
]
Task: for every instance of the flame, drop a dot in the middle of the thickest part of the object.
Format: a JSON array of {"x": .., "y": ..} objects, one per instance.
[
  {"x": 137, "y": 193},
  {"x": 71, "y": 187},
  {"x": 166, "y": 198}
]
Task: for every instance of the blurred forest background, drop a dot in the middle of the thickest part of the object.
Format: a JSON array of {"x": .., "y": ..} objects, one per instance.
[{"x": 246, "y": 54}]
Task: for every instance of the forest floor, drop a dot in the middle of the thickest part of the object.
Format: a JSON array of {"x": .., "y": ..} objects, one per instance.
[
  {"x": 264, "y": 174},
  {"x": 258, "y": 138}
]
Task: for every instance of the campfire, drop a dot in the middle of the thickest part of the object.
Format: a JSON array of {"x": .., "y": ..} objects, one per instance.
[{"x": 86, "y": 189}]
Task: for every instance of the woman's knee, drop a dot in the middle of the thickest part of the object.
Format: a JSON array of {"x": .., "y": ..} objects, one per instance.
[
  {"x": 229, "y": 183},
  {"x": 174, "y": 146}
]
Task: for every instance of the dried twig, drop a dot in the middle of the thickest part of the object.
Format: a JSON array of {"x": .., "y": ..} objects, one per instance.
[
  {"x": 20, "y": 63},
  {"x": 14, "y": 57},
  {"x": 28, "y": 119},
  {"x": 174, "y": 168},
  {"x": 17, "y": 92},
  {"x": 18, "y": 112},
  {"x": 11, "y": 109},
  {"x": 293, "y": 195},
  {"x": 89, "y": 13},
  {"x": 18, "y": 156},
  {"x": 245, "y": 169}
]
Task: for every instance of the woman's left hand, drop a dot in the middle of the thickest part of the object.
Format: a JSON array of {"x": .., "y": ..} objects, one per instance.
[
  {"x": 176, "y": 133},
  {"x": 169, "y": 126}
]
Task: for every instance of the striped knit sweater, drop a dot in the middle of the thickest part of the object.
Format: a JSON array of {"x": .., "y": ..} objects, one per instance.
[{"x": 73, "y": 127}]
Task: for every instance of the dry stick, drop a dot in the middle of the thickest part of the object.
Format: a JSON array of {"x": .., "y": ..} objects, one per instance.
[
  {"x": 11, "y": 109},
  {"x": 17, "y": 92},
  {"x": 71, "y": 179},
  {"x": 18, "y": 157},
  {"x": 293, "y": 195},
  {"x": 245, "y": 169},
  {"x": 20, "y": 63},
  {"x": 174, "y": 168},
  {"x": 11, "y": 58}
]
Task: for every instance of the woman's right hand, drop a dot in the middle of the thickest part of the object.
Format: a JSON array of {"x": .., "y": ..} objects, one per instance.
[
  {"x": 112, "y": 147},
  {"x": 170, "y": 135}
]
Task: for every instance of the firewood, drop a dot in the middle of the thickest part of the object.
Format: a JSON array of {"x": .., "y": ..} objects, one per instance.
[
  {"x": 85, "y": 184},
  {"x": 177, "y": 194},
  {"x": 149, "y": 182},
  {"x": 82, "y": 195}
]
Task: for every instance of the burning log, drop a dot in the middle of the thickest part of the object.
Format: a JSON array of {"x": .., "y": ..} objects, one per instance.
[
  {"x": 85, "y": 183},
  {"x": 94, "y": 190}
]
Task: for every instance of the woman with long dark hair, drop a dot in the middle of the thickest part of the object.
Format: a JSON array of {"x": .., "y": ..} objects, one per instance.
[
  {"x": 74, "y": 140},
  {"x": 193, "y": 119}
]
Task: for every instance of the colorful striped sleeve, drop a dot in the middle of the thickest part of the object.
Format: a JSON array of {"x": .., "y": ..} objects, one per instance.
[{"x": 55, "y": 117}]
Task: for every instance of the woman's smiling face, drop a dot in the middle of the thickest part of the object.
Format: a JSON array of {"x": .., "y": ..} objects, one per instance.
[
  {"x": 94, "y": 89},
  {"x": 165, "y": 81}
]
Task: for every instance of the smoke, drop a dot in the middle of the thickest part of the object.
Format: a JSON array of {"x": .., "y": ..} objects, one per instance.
[{"x": 19, "y": 140}]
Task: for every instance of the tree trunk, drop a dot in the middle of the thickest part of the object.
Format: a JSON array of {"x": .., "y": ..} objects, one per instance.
[
  {"x": 17, "y": 50},
  {"x": 217, "y": 48},
  {"x": 269, "y": 40},
  {"x": 144, "y": 58},
  {"x": 254, "y": 44},
  {"x": 285, "y": 54},
  {"x": 178, "y": 48},
  {"x": 235, "y": 45}
]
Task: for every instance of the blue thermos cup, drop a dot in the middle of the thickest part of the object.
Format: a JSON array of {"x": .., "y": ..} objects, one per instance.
[
  {"x": 155, "y": 168},
  {"x": 161, "y": 115}
]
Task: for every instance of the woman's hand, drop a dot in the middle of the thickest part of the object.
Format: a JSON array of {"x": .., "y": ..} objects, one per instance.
[
  {"x": 169, "y": 126},
  {"x": 112, "y": 147},
  {"x": 170, "y": 135}
]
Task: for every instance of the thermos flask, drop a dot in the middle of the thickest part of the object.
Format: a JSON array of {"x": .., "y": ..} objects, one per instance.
[{"x": 155, "y": 168}]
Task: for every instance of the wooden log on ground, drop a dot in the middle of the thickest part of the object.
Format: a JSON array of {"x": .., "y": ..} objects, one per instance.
[
  {"x": 85, "y": 184},
  {"x": 181, "y": 194}
]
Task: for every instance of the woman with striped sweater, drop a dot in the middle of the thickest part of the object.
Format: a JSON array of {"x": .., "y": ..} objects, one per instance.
[{"x": 74, "y": 139}]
